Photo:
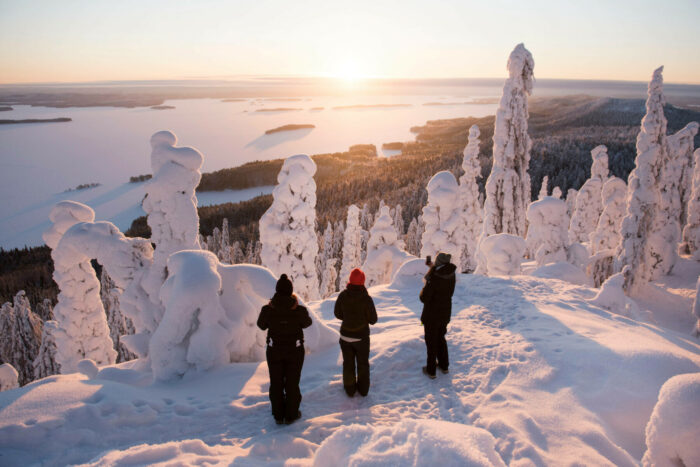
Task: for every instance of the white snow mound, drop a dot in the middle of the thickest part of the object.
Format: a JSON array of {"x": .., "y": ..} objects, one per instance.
[{"x": 500, "y": 255}]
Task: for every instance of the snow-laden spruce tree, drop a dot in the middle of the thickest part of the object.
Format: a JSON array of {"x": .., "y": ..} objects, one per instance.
[
  {"x": 607, "y": 233},
  {"x": 442, "y": 217},
  {"x": 588, "y": 201},
  {"x": 119, "y": 325},
  {"x": 691, "y": 231},
  {"x": 547, "y": 238},
  {"x": 556, "y": 192},
  {"x": 170, "y": 206},
  {"x": 647, "y": 249},
  {"x": 472, "y": 212},
  {"x": 326, "y": 257},
  {"x": 352, "y": 244},
  {"x": 45, "y": 362},
  {"x": 329, "y": 278},
  {"x": 413, "y": 235},
  {"x": 398, "y": 220},
  {"x": 508, "y": 186},
  {"x": 287, "y": 232},
  {"x": 20, "y": 336},
  {"x": 500, "y": 255},
  {"x": 543, "y": 187},
  {"x": 680, "y": 148},
  {"x": 571, "y": 196},
  {"x": 385, "y": 250}
]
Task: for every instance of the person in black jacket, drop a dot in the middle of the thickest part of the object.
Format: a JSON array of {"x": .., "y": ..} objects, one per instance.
[
  {"x": 437, "y": 310},
  {"x": 356, "y": 309},
  {"x": 284, "y": 319}
]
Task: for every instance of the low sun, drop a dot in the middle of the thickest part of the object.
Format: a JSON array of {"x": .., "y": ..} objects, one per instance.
[{"x": 349, "y": 71}]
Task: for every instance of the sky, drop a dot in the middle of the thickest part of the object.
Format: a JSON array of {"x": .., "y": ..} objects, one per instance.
[{"x": 77, "y": 41}]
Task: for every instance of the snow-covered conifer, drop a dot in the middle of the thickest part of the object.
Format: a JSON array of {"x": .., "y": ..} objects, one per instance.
[
  {"x": 646, "y": 252},
  {"x": 571, "y": 196},
  {"x": 543, "y": 187},
  {"x": 696, "y": 308},
  {"x": 556, "y": 192},
  {"x": 225, "y": 252},
  {"x": 588, "y": 200},
  {"x": 119, "y": 325},
  {"x": 680, "y": 148},
  {"x": 8, "y": 377},
  {"x": 547, "y": 237},
  {"x": 607, "y": 233},
  {"x": 500, "y": 255},
  {"x": 44, "y": 310},
  {"x": 20, "y": 336},
  {"x": 385, "y": 252},
  {"x": 329, "y": 278},
  {"x": 287, "y": 231},
  {"x": 45, "y": 362},
  {"x": 472, "y": 212},
  {"x": 413, "y": 236},
  {"x": 352, "y": 244},
  {"x": 691, "y": 231},
  {"x": 237, "y": 255},
  {"x": 398, "y": 220},
  {"x": 442, "y": 217},
  {"x": 508, "y": 186}
]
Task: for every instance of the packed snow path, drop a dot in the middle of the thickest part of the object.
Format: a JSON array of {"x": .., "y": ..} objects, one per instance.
[{"x": 554, "y": 379}]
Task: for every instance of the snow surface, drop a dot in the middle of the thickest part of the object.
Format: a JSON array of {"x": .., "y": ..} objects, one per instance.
[{"x": 554, "y": 379}]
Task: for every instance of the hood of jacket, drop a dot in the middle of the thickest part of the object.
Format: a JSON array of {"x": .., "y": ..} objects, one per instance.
[{"x": 444, "y": 271}]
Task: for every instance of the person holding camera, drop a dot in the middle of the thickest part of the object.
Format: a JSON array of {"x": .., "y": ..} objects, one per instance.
[{"x": 437, "y": 311}]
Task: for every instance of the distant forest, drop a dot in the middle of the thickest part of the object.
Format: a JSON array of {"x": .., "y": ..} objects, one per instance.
[{"x": 563, "y": 130}]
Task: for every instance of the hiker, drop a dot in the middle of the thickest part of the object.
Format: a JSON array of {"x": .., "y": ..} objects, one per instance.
[
  {"x": 284, "y": 319},
  {"x": 355, "y": 308},
  {"x": 437, "y": 309}
]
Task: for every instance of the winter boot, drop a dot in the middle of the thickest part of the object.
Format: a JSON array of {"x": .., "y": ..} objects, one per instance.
[
  {"x": 289, "y": 421},
  {"x": 425, "y": 371}
]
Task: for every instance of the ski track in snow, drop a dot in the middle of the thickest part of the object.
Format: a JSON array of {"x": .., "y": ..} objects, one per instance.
[{"x": 554, "y": 379}]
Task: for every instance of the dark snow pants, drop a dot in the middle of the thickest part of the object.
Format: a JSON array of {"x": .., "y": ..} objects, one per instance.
[
  {"x": 285, "y": 364},
  {"x": 355, "y": 354},
  {"x": 437, "y": 346}
]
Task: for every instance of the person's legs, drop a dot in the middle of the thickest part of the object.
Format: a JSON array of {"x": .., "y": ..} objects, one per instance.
[
  {"x": 349, "y": 381},
  {"x": 431, "y": 347},
  {"x": 362, "y": 353},
  {"x": 292, "y": 375},
  {"x": 443, "y": 358},
  {"x": 275, "y": 365}
]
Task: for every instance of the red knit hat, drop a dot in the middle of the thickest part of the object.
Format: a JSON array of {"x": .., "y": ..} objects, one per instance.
[{"x": 357, "y": 277}]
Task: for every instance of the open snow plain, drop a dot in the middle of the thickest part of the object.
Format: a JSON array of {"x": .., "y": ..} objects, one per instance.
[{"x": 538, "y": 376}]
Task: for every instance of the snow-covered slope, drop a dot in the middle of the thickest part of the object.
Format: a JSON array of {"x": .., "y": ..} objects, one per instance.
[{"x": 537, "y": 375}]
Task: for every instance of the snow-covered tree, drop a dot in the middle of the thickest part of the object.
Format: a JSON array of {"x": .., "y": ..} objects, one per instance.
[
  {"x": 647, "y": 250},
  {"x": 413, "y": 236},
  {"x": 352, "y": 244},
  {"x": 20, "y": 336},
  {"x": 691, "y": 231},
  {"x": 472, "y": 212},
  {"x": 543, "y": 187},
  {"x": 225, "y": 253},
  {"x": 607, "y": 233},
  {"x": 500, "y": 255},
  {"x": 324, "y": 258},
  {"x": 45, "y": 362},
  {"x": 588, "y": 200},
  {"x": 696, "y": 306},
  {"x": 508, "y": 186},
  {"x": 680, "y": 148},
  {"x": 329, "y": 278},
  {"x": 547, "y": 238},
  {"x": 442, "y": 217},
  {"x": 170, "y": 206},
  {"x": 556, "y": 192},
  {"x": 397, "y": 214},
  {"x": 571, "y": 196},
  {"x": 287, "y": 232},
  {"x": 385, "y": 251},
  {"x": 8, "y": 377},
  {"x": 119, "y": 325}
]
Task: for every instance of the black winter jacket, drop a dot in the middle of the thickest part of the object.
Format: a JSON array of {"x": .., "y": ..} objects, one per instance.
[
  {"x": 356, "y": 309},
  {"x": 437, "y": 294},
  {"x": 284, "y": 319}
]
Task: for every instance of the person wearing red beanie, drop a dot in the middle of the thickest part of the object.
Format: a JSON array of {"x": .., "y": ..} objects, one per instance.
[{"x": 355, "y": 308}]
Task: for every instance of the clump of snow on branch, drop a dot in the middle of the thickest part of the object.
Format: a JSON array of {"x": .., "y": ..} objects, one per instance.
[
  {"x": 171, "y": 208},
  {"x": 500, "y": 255},
  {"x": 8, "y": 377},
  {"x": 472, "y": 212},
  {"x": 83, "y": 331},
  {"x": 287, "y": 229},
  {"x": 648, "y": 248},
  {"x": 385, "y": 251},
  {"x": 691, "y": 231},
  {"x": 588, "y": 200},
  {"x": 607, "y": 233},
  {"x": 680, "y": 149},
  {"x": 413, "y": 442},
  {"x": 442, "y": 217},
  {"x": 673, "y": 430},
  {"x": 352, "y": 244},
  {"x": 508, "y": 186},
  {"x": 547, "y": 235}
]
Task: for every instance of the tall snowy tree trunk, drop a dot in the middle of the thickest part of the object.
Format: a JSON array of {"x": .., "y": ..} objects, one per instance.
[
  {"x": 352, "y": 244},
  {"x": 472, "y": 213}
]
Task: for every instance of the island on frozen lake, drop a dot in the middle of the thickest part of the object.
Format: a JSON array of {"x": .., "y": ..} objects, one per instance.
[{"x": 290, "y": 127}]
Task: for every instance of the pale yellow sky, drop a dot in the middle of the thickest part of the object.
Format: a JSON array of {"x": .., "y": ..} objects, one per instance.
[{"x": 75, "y": 41}]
